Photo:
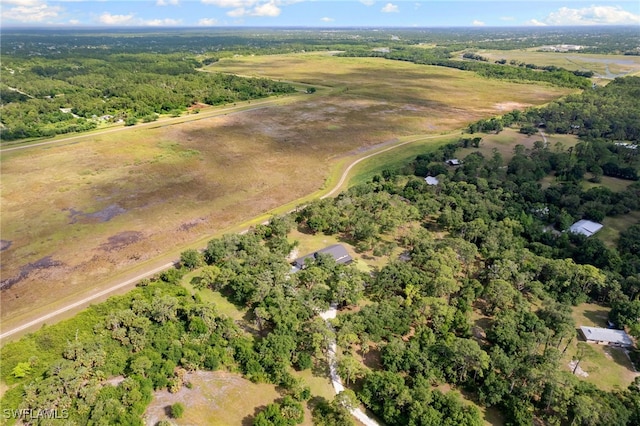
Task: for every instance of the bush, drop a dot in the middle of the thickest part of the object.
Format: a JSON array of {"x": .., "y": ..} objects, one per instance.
[{"x": 177, "y": 410}]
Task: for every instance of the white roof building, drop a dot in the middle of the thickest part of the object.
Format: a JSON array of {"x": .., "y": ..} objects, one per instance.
[
  {"x": 585, "y": 227},
  {"x": 431, "y": 180},
  {"x": 606, "y": 336}
]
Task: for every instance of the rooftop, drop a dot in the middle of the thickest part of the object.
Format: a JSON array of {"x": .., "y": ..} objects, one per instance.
[
  {"x": 618, "y": 337},
  {"x": 337, "y": 251},
  {"x": 431, "y": 180},
  {"x": 585, "y": 227}
]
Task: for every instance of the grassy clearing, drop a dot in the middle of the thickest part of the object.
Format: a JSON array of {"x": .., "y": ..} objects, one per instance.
[
  {"x": 217, "y": 398},
  {"x": 505, "y": 142},
  {"x": 106, "y": 203},
  {"x": 614, "y": 225},
  {"x": 221, "y": 303},
  {"x": 608, "y": 368}
]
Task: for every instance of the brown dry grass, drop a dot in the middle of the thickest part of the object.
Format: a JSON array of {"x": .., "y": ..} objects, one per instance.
[{"x": 174, "y": 184}]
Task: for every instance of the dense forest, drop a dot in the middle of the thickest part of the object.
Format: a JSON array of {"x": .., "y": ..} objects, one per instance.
[{"x": 484, "y": 241}]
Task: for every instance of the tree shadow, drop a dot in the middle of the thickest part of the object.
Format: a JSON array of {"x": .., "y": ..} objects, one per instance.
[
  {"x": 597, "y": 317},
  {"x": 167, "y": 411},
  {"x": 320, "y": 368},
  {"x": 372, "y": 359},
  {"x": 249, "y": 419}
]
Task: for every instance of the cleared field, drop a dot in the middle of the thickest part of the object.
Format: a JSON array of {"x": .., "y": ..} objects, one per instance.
[
  {"x": 505, "y": 142},
  {"x": 75, "y": 215},
  {"x": 603, "y": 66},
  {"x": 217, "y": 398}
]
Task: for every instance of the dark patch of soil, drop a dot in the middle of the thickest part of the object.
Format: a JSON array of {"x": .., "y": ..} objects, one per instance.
[
  {"x": 44, "y": 263},
  {"x": 121, "y": 240},
  {"x": 104, "y": 215},
  {"x": 5, "y": 244},
  {"x": 191, "y": 224}
]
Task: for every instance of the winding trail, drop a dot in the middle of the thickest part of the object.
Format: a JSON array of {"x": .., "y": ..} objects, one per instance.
[{"x": 336, "y": 381}]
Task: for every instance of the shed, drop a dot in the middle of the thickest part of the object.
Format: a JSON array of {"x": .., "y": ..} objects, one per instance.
[
  {"x": 585, "y": 227},
  {"x": 453, "y": 162},
  {"x": 606, "y": 336},
  {"x": 337, "y": 251}
]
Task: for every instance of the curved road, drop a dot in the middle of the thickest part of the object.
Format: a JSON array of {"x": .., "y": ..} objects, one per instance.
[{"x": 131, "y": 281}]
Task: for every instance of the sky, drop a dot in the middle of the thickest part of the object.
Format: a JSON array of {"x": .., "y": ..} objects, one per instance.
[{"x": 316, "y": 13}]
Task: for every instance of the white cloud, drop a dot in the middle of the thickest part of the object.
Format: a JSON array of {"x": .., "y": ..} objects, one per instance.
[
  {"x": 207, "y": 22},
  {"x": 240, "y": 8},
  {"x": 109, "y": 19},
  {"x": 167, "y": 2},
  {"x": 507, "y": 18},
  {"x": 30, "y": 11},
  {"x": 236, "y": 4},
  {"x": 593, "y": 15},
  {"x": 236, "y": 13},
  {"x": 22, "y": 2},
  {"x": 368, "y": 2},
  {"x": 167, "y": 22},
  {"x": 535, "y": 23},
  {"x": 477, "y": 23},
  {"x": 74, "y": 22},
  {"x": 266, "y": 9},
  {"x": 389, "y": 8},
  {"x": 327, "y": 19}
]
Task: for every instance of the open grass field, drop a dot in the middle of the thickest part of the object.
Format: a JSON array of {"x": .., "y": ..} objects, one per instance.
[
  {"x": 75, "y": 215},
  {"x": 614, "y": 225},
  {"x": 603, "y": 66},
  {"x": 505, "y": 142},
  {"x": 217, "y": 398},
  {"x": 608, "y": 368}
]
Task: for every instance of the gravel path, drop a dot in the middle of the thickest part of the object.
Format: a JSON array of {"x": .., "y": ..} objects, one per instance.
[{"x": 333, "y": 368}]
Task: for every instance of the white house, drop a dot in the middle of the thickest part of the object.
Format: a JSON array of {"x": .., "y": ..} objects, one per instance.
[{"x": 585, "y": 227}]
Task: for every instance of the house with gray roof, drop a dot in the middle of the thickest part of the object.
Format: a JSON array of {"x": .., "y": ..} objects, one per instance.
[
  {"x": 337, "y": 251},
  {"x": 606, "y": 336}
]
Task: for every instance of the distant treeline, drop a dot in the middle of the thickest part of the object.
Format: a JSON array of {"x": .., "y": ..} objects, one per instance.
[{"x": 442, "y": 57}]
